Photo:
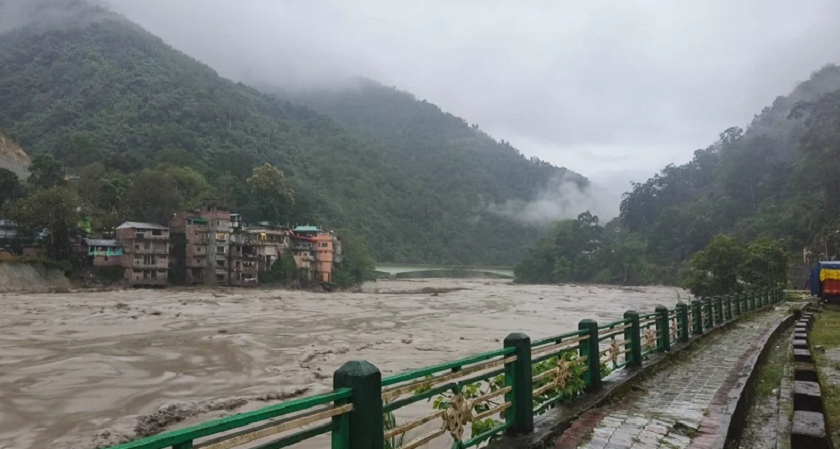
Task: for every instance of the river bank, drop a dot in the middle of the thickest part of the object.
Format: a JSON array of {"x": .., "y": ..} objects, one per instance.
[{"x": 86, "y": 369}]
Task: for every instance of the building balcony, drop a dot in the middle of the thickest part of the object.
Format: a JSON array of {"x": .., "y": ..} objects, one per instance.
[
  {"x": 150, "y": 236},
  {"x": 150, "y": 266},
  {"x": 108, "y": 252},
  {"x": 150, "y": 250}
]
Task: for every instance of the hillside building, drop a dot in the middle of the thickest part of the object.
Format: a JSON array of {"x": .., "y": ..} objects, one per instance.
[
  {"x": 104, "y": 253},
  {"x": 145, "y": 252},
  {"x": 203, "y": 246}
]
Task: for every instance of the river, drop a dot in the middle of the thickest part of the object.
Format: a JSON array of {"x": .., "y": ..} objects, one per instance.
[{"x": 85, "y": 369}]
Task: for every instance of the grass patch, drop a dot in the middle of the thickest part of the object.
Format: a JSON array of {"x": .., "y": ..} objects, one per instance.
[
  {"x": 826, "y": 330},
  {"x": 770, "y": 374},
  {"x": 826, "y": 333}
]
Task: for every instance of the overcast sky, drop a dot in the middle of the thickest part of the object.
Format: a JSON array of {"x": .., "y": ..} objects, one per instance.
[{"x": 614, "y": 89}]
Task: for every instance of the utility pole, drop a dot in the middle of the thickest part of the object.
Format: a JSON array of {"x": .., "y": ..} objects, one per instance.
[{"x": 825, "y": 242}]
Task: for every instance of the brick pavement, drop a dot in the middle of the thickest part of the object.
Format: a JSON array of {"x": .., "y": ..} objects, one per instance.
[{"x": 682, "y": 406}]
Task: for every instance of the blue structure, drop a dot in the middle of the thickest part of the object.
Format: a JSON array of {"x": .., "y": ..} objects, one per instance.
[{"x": 816, "y": 283}]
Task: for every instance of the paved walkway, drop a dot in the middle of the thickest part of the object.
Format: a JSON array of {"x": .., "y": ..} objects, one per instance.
[{"x": 683, "y": 406}]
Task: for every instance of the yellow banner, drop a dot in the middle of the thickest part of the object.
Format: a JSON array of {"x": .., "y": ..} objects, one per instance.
[{"x": 833, "y": 275}]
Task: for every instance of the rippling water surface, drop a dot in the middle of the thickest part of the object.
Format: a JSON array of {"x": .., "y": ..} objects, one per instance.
[{"x": 89, "y": 368}]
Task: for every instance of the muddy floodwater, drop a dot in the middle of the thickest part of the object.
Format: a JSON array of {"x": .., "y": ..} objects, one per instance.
[{"x": 88, "y": 369}]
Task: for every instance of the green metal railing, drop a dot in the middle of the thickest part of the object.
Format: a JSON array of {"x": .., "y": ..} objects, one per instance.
[{"x": 473, "y": 399}]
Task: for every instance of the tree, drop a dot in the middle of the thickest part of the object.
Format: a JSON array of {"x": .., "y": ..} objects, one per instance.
[
  {"x": 357, "y": 266},
  {"x": 715, "y": 269},
  {"x": 271, "y": 197},
  {"x": 46, "y": 171},
  {"x": 568, "y": 254},
  {"x": 764, "y": 264},
  {"x": 152, "y": 197},
  {"x": 10, "y": 188},
  {"x": 50, "y": 211}
]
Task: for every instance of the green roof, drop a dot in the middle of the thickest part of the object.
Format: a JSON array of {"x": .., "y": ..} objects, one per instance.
[
  {"x": 307, "y": 229},
  {"x": 197, "y": 220}
]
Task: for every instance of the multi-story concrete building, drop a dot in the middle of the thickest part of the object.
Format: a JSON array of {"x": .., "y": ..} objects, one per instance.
[
  {"x": 206, "y": 232},
  {"x": 324, "y": 256},
  {"x": 304, "y": 253},
  {"x": 145, "y": 252},
  {"x": 270, "y": 244},
  {"x": 243, "y": 255}
]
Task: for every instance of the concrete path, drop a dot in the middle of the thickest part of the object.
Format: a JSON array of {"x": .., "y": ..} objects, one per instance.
[{"x": 686, "y": 405}]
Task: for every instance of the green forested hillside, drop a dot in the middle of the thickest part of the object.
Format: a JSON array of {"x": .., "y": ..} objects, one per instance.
[
  {"x": 108, "y": 100},
  {"x": 442, "y": 151},
  {"x": 777, "y": 181}
]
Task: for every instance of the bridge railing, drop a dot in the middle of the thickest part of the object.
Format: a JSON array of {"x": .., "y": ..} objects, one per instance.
[{"x": 473, "y": 399}]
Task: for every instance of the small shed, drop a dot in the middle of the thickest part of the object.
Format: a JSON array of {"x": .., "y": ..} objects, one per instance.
[{"x": 105, "y": 253}]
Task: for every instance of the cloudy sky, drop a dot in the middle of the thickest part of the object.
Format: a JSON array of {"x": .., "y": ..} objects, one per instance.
[{"x": 614, "y": 89}]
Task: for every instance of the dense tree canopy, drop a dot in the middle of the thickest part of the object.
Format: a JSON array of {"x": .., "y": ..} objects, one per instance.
[
  {"x": 737, "y": 212},
  {"x": 114, "y": 104}
]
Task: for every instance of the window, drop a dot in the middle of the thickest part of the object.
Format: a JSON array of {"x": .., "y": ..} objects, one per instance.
[
  {"x": 156, "y": 232},
  {"x": 220, "y": 263},
  {"x": 220, "y": 277},
  {"x": 220, "y": 250},
  {"x": 139, "y": 234},
  {"x": 221, "y": 237},
  {"x": 199, "y": 249}
]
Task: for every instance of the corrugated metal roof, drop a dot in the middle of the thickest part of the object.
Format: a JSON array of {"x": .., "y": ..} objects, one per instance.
[
  {"x": 137, "y": 224},
  {"x": 101, "y": 242},
  {"x": 307, "y": 229}
]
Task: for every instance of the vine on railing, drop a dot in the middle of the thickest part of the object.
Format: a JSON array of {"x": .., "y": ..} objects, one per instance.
[{"x": 475, "y": 399}]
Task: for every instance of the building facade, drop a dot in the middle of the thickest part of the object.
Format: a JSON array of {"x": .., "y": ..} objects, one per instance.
[
  {"x": 145, "y": 252},
  {"x": 324, "y": 256},
  {"x": 243, "y": 256},
  {"x": 206, "y": 234},
  {"x": 104, "y": 253}
]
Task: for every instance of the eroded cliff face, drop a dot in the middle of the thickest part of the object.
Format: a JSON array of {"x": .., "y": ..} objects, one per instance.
[{"x": 12, "y": 156}]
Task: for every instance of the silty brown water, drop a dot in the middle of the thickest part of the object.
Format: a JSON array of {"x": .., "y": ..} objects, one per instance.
[{"x": 88, "y": 369}]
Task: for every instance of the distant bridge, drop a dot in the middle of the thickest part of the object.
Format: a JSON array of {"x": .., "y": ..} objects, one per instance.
[{"x": 397, "y": 269}]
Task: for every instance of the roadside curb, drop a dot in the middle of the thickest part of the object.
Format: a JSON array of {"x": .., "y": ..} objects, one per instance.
[
  {"x": 809, "y": 424},
  {"x": 740, "y": 396}
]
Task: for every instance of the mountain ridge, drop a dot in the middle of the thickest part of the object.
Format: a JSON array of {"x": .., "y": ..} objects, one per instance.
[{"x": 107, "y": 88}]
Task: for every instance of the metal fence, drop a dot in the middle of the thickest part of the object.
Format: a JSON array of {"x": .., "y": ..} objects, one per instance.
[{"x": 473, "y": 399}]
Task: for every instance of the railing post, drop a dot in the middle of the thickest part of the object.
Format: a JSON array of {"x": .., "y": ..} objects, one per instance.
[
  {"x": 592, "y": 352},
  {"x": 663, "y": 328},
  {"x": 518, "y": 377},
  {"x": 716, "y": 309},
  {"x": 633, "y": 335},
  {"x": 682, "y": 313},
  {"x": 707, "y": 309},
  {"x": 738, "y": 298},
  {"x": 697, "y": 316},
  {"x": 366, "y": 427},
  {"x": 727, "y": 307}
]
